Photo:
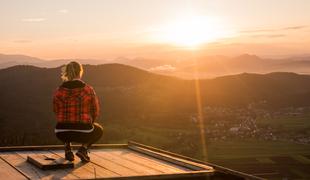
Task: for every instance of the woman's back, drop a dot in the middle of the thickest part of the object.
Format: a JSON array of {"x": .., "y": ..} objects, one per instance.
[{"x": 76, "y": 102}]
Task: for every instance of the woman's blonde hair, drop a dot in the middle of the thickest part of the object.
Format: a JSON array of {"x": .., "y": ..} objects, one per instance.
[{"x": 71, "y": 71}]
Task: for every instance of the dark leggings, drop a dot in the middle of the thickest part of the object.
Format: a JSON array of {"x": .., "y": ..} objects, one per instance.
[{"x": 81, "y": 137}]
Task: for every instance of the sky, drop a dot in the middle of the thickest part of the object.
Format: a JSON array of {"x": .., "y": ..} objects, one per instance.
[{"x": 107, "y": 29}]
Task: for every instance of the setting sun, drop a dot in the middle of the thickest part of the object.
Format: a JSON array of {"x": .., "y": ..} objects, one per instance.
[{"x": 192, "y": 31}]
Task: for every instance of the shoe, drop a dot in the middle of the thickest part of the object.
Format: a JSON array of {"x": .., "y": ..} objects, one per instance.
[
  {"x": 82, "y": 153},
  {"x": 69, "y": 156},
  {"x": 68, "y": 152}
]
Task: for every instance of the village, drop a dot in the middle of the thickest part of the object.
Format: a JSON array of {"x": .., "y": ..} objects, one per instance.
[{"x": 222, "y": 123}]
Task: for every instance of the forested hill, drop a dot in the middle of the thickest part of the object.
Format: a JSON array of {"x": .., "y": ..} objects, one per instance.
[{"x": 131, "y": 95}]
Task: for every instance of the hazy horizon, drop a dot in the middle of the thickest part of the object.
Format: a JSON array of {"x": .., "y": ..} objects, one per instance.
[{"x": 201, "y": 67}]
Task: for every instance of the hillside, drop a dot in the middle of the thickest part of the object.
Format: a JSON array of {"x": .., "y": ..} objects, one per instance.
[{"x": 134, "y": 96}]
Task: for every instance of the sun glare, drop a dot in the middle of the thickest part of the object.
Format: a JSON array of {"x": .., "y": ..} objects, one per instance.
[{"x": 192, "y": 31}]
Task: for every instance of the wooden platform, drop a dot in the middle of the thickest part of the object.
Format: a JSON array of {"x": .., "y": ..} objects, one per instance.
[{"x": 118, "y": 162}]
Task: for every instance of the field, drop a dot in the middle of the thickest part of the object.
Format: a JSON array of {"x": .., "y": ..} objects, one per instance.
[
  {"x": 288, "y": 122},
  {"x": 272, "y": 160},
  {"x": 234, "y": 149}
]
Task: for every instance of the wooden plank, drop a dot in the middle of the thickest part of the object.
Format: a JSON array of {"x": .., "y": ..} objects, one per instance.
[
  {"x": 8, "y": 172},
  {"x": 141, "y": 169},
  {"x": 188, "y": 162},
  {"x": 191, "y": 175},
  {"x": 48, "y": 163},
  {"x": 78, "y": 170},
  {"x": 57, "y": 147},
  {"x": 88, "y": 170},
  {"x": 162, "y": 166},
  {"x": 59, "y": 174},
  {"x": 148, "y": 161},
  {"x": 171, "y": 159},
  {"x": 112, "y": 166},
  {"x": 20, "y": 163}
]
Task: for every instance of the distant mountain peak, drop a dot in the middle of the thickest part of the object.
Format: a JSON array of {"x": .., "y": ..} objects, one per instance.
[
  {"x": 248, "y": 56},
  {"x": 19, "y": 58}
]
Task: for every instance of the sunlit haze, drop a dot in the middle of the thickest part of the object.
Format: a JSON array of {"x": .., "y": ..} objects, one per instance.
[
  {"x": 191, "y": 31},
  {"x": 154, "y": 29}
]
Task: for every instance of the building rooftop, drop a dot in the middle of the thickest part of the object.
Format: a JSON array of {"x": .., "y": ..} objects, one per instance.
[{"x": 109, "y": 161}]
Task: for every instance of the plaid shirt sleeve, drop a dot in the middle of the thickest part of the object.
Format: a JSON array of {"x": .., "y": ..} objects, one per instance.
[{"x": 94, "y": 106}]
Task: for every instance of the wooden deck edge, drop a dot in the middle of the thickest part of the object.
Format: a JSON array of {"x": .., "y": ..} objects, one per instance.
[
  {"x": 190, "y": 174},
  {"x": 174, "y": 160},
  {"x": 57, "y": 147},
  {"x": 216, "y": 167}
]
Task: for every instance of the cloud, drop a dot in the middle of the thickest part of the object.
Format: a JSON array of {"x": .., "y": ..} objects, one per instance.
[
  {"x": 64, "y": 11},
  {"x": 294, "y": 27},
  {"x": 274, "y": 30},
  {"x": 268, "y": 36},
  {"x": 33, "y": 19},
  {"x": 258, "y": 31},
  {"x": 22, "y": 41},
  {"x": 163, "y": 68}
]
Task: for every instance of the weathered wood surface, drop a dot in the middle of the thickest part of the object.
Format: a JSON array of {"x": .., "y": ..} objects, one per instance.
[
  {"x": 185, "y": 175},
  {"x": 18, "y": 160},
  {"x": 9, "y": 172},
  {"x": 46, "y": 162},
  {"x": 175, "y": 160},
  {"x": 111, "y": 165},
  {"x": 131, "y": 164},
  {"x": 88, "y": 170},
  {"x": 20, "y": 163},
  {"x": 118, "y": 162},
  {"x": 50, "y": 174},
  {"x": 147, "y": 161}
]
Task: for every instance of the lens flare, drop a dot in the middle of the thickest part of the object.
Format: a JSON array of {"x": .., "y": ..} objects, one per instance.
[{"x": 201, "y": 122}]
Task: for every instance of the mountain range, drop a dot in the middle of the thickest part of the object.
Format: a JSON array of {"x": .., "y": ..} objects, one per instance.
[{"x": 200, "y": 67}]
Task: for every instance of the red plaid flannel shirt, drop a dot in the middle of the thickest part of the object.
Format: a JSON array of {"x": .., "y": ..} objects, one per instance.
[{"x": 79, "y": 105}]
